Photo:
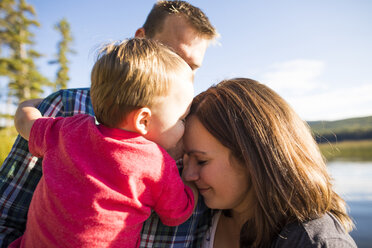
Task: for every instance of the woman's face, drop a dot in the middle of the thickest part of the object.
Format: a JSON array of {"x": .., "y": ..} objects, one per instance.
[{"x": 220, "y": 179}]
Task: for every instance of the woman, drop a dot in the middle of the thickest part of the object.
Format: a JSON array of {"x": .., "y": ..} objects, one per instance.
[{"x": 252, "y": 157}]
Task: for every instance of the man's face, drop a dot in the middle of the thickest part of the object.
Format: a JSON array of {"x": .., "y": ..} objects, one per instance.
[{"x": 184, "y": 40}]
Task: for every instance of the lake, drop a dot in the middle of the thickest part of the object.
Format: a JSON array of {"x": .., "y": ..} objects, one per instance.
[{"x": 353, "y": 181}]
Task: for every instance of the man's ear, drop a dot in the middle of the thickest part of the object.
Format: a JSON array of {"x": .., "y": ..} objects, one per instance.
[
  {"x": 142, "y": 118},
  {"x": 140, "y": 33}
]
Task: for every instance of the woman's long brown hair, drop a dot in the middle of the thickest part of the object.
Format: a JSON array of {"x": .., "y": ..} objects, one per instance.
[{"x": 287, "y": 171}]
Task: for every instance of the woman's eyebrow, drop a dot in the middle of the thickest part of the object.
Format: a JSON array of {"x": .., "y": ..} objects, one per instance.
[{"x": 195, "y": 151}]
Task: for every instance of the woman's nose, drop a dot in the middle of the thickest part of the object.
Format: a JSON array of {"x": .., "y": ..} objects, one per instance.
[{"x": 190, "y": 170}]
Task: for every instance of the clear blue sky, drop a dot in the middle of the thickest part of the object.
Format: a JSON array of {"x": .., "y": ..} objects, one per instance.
[{"x": 316, "y": 54}]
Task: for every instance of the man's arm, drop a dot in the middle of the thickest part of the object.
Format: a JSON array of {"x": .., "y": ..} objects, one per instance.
[
  {"x": 21, "y": 172},
  {"x": 25, "y": 116}
]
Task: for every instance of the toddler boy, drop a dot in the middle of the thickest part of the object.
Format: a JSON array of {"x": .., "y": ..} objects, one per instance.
[{"x": 100, "y": 182}]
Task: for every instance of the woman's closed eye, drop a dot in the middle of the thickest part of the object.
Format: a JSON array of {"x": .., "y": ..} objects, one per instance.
[
  {"x": 196, "y": 157},
  {"x": 202, "y": 162}
]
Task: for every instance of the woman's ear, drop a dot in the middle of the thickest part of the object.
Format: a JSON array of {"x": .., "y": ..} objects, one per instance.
[{"x": 141, "y": 121}]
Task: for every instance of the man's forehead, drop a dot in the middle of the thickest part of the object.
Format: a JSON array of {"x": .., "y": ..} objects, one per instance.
[
  {"x": 180, "y": 36},
  {"x": 176, "y": 28},
  {"x": 176, "y": 23}
]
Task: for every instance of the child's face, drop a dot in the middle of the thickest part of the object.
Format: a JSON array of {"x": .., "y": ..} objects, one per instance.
[{"x": 167, "y": 125}]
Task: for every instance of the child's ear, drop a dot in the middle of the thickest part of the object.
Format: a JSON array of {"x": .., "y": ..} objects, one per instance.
[
  {"x": 140, "y": 33},
  {"x": 142, "y": 118}
]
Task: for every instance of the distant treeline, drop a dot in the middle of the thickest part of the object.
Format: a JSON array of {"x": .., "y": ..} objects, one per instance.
[
  {"x": 343, "y": 136},
  {"x": 342, "y": 130}
]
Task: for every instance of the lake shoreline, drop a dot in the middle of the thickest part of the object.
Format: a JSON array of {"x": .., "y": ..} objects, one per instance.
[{"x": 360, "y": 150}]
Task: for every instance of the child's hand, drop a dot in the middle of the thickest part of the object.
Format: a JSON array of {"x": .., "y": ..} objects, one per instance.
[{"x": 25, "y": 116}]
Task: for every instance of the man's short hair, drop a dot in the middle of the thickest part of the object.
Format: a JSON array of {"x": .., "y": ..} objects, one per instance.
[
  {"x": 194, "y": 16},
  {"x": 130, "y": 75}
]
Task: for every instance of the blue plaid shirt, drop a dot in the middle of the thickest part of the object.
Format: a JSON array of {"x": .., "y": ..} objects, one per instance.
[{"x": 21, "y": 172}]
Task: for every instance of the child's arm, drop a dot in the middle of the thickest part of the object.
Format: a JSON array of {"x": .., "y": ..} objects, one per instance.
[
  {"x": 178, "y": 199},
  {"x": 25, "y": 116}
]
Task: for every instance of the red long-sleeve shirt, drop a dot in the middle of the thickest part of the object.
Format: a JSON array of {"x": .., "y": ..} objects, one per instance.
[{"x": 99, "y": 185}]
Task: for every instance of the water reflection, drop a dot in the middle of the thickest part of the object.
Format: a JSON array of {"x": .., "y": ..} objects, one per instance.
[{"x": 352, "y": 180}]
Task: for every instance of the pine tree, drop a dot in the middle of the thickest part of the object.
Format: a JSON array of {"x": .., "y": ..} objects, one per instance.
[
  {"x": 63, "y": 49},
  {"x": 25, "y": 81}
]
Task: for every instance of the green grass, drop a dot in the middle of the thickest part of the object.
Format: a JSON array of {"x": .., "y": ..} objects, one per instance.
[
  {"x": 7, "y": 138},
  {"x": 348, "y": 150}
]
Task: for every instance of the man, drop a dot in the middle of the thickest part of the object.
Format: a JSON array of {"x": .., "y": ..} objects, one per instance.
[{"x": 177, "y": 24}]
